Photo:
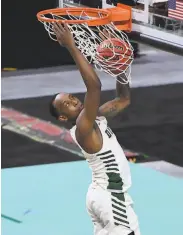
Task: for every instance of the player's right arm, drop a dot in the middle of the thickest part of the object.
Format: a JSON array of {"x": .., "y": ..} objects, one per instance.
[{"x": 85, "y": 121}]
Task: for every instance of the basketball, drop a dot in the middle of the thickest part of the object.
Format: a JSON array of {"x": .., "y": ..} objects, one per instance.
[{"x": 115, "y": 53}]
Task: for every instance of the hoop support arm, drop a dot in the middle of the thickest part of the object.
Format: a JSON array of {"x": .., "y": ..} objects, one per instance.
[{"x": 121, "y": 16}]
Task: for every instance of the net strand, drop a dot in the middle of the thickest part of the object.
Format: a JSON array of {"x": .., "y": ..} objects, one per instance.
[{"x": 87, "y": 40}]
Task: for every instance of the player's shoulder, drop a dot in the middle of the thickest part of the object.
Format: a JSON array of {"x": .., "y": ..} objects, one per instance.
[
  {"x": 101, "y": 121},
  {"x": 72, "y": 129}
]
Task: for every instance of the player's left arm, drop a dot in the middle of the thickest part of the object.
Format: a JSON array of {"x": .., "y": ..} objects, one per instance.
[{"x": 117, "y": 105}]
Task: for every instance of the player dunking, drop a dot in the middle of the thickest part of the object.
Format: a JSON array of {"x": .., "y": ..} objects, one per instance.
[{"x": 108, "y": 202}]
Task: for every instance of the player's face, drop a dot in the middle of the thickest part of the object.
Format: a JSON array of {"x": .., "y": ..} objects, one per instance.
[{"x": 69, "y": 106}]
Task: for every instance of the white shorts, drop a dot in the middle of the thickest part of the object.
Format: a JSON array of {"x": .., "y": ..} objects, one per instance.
[{"x": 109, "y": 214}]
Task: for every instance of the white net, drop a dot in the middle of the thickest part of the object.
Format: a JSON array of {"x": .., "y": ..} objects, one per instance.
[{"x": 90, "y": 41}]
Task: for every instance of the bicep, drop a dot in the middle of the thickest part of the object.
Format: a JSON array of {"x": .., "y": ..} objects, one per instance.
[
  {"x": 87, "y": 117},
  {"x": 113, "y": 107}
]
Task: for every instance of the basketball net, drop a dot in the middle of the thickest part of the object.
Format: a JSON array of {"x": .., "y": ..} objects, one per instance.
[{"x": 87, "y": 40}]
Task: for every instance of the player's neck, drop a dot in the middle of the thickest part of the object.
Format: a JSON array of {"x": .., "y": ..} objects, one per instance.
[{"x": 73, "y": 123}]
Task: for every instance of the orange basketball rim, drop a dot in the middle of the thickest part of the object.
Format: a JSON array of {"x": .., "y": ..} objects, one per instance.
[{"x": 120, "y": 16}]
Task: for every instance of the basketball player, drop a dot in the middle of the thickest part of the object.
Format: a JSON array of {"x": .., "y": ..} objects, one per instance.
[{"x": 108, "y": 202}]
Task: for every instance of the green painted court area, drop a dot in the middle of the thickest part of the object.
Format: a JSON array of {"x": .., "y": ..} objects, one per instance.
[{"x": 50, "y": 199}]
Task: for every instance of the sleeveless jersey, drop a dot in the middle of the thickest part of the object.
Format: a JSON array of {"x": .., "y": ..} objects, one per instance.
[{"x": 110, "y": 168}]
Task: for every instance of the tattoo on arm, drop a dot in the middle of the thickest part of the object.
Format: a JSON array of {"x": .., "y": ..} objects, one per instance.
[{"x": 109, "y": 110}]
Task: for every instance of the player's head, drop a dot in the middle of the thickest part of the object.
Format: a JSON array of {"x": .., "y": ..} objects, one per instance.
[{"x": 65, "y": 107}]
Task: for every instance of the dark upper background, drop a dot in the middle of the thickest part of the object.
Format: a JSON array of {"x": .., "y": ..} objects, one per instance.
[{"x": 25, "y": 42}]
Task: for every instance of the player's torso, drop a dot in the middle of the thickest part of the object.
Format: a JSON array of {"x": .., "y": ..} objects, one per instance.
[
  {"x": 109, "y": 166},
  {"x": 92, "y": 143}
]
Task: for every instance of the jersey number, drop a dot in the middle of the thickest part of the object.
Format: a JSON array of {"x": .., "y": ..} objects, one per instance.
[{"x": 109, "y": 132}]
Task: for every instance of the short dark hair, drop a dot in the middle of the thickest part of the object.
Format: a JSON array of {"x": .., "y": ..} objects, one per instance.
[{"x": 53, "y": 111}]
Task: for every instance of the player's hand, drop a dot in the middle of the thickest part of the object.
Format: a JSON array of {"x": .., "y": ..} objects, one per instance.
[{"x": 63, "y": 34}]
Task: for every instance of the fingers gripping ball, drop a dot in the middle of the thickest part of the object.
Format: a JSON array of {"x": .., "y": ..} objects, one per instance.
[{"x": 115, "y": 54}]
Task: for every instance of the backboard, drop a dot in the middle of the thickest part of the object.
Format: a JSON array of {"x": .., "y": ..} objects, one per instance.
[{"x": 149, "y": 27}]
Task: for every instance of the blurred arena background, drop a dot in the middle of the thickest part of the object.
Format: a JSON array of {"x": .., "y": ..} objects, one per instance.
[{"x": 44, "y": 176}]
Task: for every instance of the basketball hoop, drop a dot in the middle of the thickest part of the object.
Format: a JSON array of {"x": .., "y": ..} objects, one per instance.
[{"x": 86, "y": 24}]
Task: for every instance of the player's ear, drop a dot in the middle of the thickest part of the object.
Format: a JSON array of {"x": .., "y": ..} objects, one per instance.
[{"x": 62, "y": 118}]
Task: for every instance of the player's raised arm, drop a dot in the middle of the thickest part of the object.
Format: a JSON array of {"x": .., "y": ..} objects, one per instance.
[
  {"x": 86, "y": 119},
  {"x": 122, "y": 100}
]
